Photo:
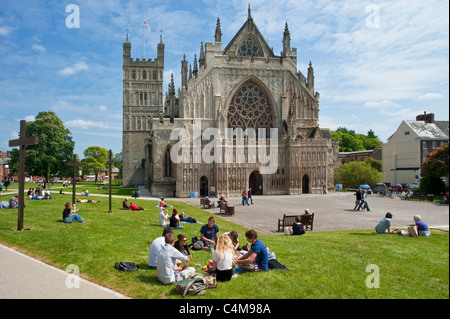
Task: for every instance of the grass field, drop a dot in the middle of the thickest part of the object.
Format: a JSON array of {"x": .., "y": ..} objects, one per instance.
[{"x": 323, "y": 265}]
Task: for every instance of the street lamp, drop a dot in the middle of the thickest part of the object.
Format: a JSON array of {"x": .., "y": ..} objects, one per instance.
[{"x": 135, "y": 194}]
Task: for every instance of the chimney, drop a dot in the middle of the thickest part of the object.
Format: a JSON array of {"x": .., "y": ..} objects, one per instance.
[{"x": 427, "y": 118}]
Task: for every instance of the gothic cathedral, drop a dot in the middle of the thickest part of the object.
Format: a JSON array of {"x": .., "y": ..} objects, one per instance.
[{"x": 243, "y": 117}]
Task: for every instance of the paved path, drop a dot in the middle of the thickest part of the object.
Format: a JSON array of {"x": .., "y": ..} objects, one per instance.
[
  {"x": 333, "y": 211},
  {"x": 23, "y": 277}
]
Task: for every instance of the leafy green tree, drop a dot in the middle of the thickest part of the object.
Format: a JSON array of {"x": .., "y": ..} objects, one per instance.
[
  {"x": 377, "y": 164},
  {"x": 435, "y": 166},
  {"x": 55, "y": 148},
  {"x": 349, "y": 141},
  {"x": 95, "y": 160},
  {"x": 353, "y": 174}
]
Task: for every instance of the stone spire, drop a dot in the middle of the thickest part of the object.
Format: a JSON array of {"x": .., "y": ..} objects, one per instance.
[
  {"x": 171, "y": 86},
  {"x": 184, "y": 72},
  {"x": 310, "y": 78},
  {"x": 286, "y": 41},
  {"x": 218, "y": 35},
  {"x": 195, "y": 71},
  {"x": 201, "y": 60},
  {"x": 249, "y": 12}
]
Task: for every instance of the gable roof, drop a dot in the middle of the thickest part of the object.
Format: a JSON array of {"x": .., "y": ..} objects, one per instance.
[
  {"x": 249, "y": 28},
  {"x": 426, "y": 130}
]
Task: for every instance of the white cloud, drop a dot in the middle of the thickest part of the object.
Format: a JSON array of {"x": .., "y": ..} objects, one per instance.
[
  {"x": 384, "y": 104},
  {"x": 74, "y": 69},
  {"x": 430, "y": 96},
  {"x": 5, "y": 30},
  {"x": 86, "y": 124},
  {"x": 38, "y": 47}
]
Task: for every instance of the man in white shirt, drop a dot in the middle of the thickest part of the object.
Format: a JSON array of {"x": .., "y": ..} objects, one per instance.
[
  {"x": 166, "y": 264},
  {"x": 156, "y": 246}
]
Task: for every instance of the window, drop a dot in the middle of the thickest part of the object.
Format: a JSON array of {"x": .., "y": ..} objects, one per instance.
[
  {"x": 250, "y": 108},
  {"x": 424, "y": 145},
  {"x": 407, "y": 133},
  {"x": 250, "y": 48},
  {"x": 434, "y": 144}
]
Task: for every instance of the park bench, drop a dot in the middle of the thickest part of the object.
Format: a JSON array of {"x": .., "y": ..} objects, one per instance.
[
  {"x": 228, "y": 210},
  {"x": 418, "y": 195},
  {"x": 307, "y": 220}
]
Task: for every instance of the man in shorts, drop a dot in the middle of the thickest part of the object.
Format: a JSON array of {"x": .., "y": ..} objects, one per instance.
[{"x": 209, "y": 235}]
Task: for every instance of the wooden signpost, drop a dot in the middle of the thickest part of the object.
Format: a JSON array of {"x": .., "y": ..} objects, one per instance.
[
  {"x": 110, "y": 163},
  {"x": 22, "y": 142},
  {"x": 75, "y": 164}
]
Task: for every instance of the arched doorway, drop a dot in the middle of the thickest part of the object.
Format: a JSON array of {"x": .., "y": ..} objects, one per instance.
[
  {"x": 204, "y": 186},
  {"x": 305, "y": 184},
  {"x": 255, "y": 182}
]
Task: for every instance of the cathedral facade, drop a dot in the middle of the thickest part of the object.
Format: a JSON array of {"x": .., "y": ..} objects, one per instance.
[{"x": 243, "y": 117}]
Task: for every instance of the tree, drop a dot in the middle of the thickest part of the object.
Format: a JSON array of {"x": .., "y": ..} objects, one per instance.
[
  {"x": 435, "y": 167},
  {"x": 349, "y": 141},
  {"x": 95, "y": 160},
  {"x": 54, "y": 150},
  {"x": 353, "y": 174}
]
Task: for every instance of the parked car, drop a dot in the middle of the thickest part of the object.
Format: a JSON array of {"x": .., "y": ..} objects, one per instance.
[
  {"x": 397, "y": 187},
  {"x": 367, "y": 188},
  {"x": 381, "y": 187},
  {"x": 413, "y": 187}
]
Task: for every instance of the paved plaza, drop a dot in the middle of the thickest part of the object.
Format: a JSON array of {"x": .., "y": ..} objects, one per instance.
[{"x": 333, "y": 211}]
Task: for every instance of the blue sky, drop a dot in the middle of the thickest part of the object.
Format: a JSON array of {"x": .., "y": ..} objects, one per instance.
[{"x": 376, "y": 63}]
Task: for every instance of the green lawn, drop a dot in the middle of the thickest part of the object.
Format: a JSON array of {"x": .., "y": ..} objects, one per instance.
[{"x": 322, "y": 264}]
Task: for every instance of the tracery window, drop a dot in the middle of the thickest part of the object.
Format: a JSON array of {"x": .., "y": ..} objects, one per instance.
[
  {"x": 250, "y": 48},
  {"x": 250, "y": 107}
]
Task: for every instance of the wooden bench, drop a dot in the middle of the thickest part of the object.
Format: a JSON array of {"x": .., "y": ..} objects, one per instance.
[
  {"x": 418, "y": 195},
  {"x": 228, "y": 210},
  {"x": 307, "y": 220}
]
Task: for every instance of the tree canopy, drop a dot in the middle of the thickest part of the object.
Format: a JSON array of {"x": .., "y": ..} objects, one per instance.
[
  {"x": 350, "y": 141},
  {"x": 435, "y": 166},
  {"x": 95, "y": 160},
  {"x": 55, "y": 148},
  {"x": 353, "y": 174}
]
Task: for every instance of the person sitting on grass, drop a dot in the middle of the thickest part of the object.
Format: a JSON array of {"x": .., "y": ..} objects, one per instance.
[
  {"x": 209, "y": 234},
  {"x": 162, "y": 217},
  {"x": 256, "y": 259},
  {"x": 421, "y": 227},
  {"x": 70, "y": 214},
  {"x": 384, "y": 225},
  {"x": 297, "y": 227},
  {"x": 181, "y": 245},
  {"x": 223, "y": 258},
  {"x": 166, "y": 262},
  {"x": 175, "y": 220},
  {"x": 156, "y": 246},
  {"x": 125, "y": 205},
  {"x": 14, "y": 202}
]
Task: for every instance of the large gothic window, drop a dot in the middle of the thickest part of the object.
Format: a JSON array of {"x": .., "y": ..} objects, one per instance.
[
  {"x": 250, "y": 48},
  {"x": 250, "y": 107}
]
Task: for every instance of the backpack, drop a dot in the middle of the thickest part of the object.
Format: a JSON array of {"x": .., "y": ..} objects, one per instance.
[
  {"x": 126, "y": 266},
  {"x": 196, "y": 285},
  {"x": 192, "y": 286}
]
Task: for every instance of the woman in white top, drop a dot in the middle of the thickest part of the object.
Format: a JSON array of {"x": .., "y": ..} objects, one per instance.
[{"x": 223, "y": 258}]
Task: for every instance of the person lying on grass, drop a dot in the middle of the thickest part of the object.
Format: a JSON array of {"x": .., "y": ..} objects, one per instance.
[{"x": 87, "y": 201}]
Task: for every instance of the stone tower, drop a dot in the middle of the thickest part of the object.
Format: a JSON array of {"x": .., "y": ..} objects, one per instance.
[{"x": 142, "y": 100}]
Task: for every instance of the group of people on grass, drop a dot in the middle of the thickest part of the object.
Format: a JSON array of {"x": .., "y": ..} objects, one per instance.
[
  {"x": 420, "y": 228},
  {"x": 167, "y": 255}
]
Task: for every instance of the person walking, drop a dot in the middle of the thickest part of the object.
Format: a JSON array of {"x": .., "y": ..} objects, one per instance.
[
  {"x": 364, "y": 201},
  {"x": 358, "y": 198}
]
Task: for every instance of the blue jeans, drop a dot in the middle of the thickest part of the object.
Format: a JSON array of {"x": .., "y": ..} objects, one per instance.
[
  {"x": 72, "y": 217},
  {"x": 244, "y": 200},
  {"x": 362, "y": 203}
]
